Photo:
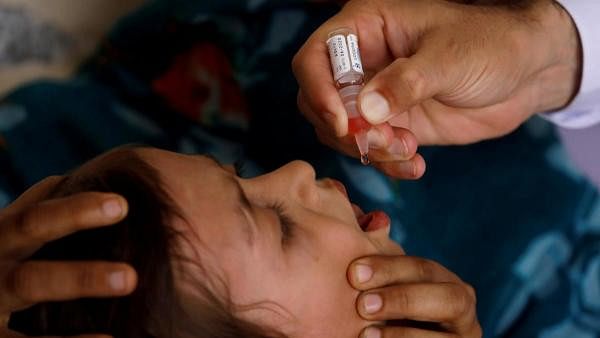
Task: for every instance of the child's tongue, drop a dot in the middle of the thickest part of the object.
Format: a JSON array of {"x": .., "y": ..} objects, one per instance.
[{"x": 373, "y": 221}]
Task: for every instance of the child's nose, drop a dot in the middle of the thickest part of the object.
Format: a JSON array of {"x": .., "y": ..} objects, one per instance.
[{"x": 299, "y": 178}]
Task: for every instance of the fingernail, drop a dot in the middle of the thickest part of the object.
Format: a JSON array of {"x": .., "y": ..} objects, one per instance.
[
  {"x": 375, "y": 108},
  {"x": 376, "y": 139},
  {"x": 363, "y": 273},
  {"x": 116, "y": 280},
  {"x": 112, "y": 208},
  {"x": 371, "y": 332},
  {"x": 398, "y": 147},
  {"x": 372, "y": 303}
]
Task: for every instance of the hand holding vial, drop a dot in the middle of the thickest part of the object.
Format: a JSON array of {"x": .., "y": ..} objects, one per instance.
[{"x": 437, "y": 73}]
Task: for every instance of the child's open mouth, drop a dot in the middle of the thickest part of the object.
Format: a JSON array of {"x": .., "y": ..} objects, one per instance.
[{"x": 371, "y": 221}]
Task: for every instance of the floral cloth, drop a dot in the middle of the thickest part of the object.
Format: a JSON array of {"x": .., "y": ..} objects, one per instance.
[{"x": 510, "y": 216}]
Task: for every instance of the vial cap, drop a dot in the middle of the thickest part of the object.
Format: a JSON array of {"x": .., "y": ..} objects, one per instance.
[{"x": 350, "y": 92}]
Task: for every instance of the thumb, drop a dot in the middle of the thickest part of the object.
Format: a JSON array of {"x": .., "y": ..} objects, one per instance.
[{"x": 401, "y": 85}]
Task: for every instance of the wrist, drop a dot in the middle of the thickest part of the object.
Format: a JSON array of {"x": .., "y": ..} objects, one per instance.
[{"x": 558, "y": 77}]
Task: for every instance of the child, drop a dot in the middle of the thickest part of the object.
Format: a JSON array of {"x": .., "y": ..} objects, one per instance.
[{"x": 217, "y": 255}]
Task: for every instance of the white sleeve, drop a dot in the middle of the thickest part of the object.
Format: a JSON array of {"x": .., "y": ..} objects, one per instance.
[
  {"x": 582, "y": 147},
  {"x": 584, "y": 111}
]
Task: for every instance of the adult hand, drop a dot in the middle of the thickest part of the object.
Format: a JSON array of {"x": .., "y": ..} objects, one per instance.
[
  {"x": 441, "y": 73},
  {"x": 30, "y": 222},
  {"x": 423, "y": 297}
]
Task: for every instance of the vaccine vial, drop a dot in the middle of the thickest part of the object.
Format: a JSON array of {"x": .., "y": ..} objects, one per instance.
[{"x": 349, "y": 78}]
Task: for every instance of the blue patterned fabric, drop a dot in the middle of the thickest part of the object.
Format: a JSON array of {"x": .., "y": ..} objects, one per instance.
[{"x": 510, "y": 216}]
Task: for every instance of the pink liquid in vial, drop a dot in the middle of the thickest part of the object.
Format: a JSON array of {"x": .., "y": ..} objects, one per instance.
[{"x": 357, "y": 124}]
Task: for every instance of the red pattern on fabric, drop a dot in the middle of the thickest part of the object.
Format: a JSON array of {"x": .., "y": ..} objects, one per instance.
[{"x": 201, "y": 81}]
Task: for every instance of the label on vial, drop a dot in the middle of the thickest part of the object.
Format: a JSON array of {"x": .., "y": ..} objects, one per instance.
[
  {"x": 338, "y": 54},
  {"x": 354, "y": 52}
]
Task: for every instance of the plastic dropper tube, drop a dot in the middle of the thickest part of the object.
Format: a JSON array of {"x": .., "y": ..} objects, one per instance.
[{"x": 349, "y": 78}]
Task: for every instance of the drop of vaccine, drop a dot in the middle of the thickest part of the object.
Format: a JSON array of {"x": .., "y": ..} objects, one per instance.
[{"x": 364, "y": 159}]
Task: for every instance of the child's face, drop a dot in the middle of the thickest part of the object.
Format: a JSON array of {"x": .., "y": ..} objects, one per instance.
[{"x": 289, "y": 269}]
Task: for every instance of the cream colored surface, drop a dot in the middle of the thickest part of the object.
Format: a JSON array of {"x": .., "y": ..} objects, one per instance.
[{"x": 86, "y": 20}]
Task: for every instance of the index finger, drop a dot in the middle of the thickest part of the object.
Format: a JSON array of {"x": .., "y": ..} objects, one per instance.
[
  {"x": 32, "y": 195},
  {"x": 312, "y": 69},
  {"x": 380, "y": 271},
  {"x": 21, "y": 234}
]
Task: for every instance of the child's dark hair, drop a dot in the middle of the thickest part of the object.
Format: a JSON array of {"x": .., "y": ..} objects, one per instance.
[{"x": 145, "y": 240}]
